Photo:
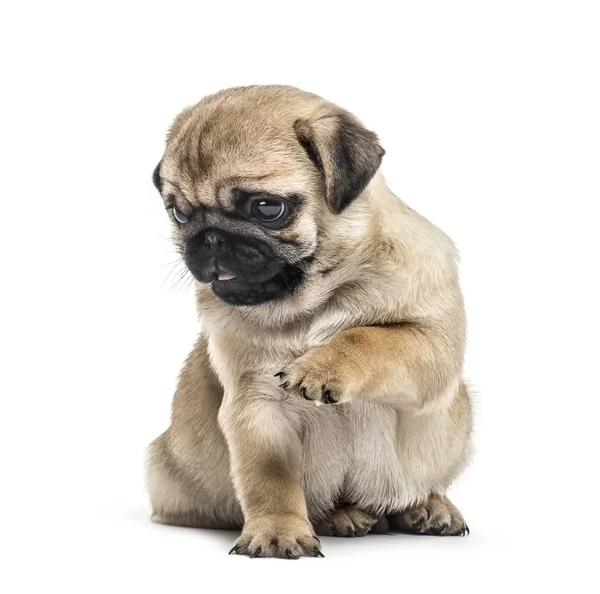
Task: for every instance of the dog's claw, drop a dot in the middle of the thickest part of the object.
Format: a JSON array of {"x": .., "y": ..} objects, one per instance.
[
  {"x": 328, "y": 397},
  {"x": 304, "y": 393}
]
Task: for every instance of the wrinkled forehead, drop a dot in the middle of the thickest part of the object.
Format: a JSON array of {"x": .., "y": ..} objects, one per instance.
[{"x": 217, "y": 149}]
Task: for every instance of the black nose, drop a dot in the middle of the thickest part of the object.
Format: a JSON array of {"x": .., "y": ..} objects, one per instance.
[{"x": 214, "y": 240}]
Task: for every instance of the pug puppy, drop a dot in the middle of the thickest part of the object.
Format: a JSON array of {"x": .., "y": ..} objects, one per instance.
[{"x": 325, "y": 393}]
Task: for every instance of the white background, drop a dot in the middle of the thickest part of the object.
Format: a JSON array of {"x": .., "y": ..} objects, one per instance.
[{"x": 489, "y": 112}]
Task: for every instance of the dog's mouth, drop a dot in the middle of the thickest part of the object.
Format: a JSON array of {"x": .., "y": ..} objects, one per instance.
[
  {"x": 254, "y": 289},
  {"x": 250, "y": 287}
]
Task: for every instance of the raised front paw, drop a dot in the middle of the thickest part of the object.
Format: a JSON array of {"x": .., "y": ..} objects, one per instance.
[
  {"x": 319, "y": 375},
  {"x": 285, "y": 535}
]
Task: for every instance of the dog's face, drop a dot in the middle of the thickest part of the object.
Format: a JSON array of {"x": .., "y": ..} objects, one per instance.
[{"x": 248, "y": 177}]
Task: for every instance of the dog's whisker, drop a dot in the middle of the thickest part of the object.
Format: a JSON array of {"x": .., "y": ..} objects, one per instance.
[
  {"x": 176, "y": 286},
  {"x": 175, "y": 268}
]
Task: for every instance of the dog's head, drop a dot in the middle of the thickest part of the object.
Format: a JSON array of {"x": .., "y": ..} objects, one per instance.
[{"x": 248, "y": 176}]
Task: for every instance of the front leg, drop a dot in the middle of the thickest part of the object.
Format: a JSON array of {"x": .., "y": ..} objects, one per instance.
[
  {"x": 411, "y": 363},
  {"x": 266, "y": 458}
]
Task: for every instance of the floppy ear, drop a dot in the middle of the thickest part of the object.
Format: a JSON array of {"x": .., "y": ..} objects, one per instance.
[
  {"x": 346, "y": 153},
  {"x": 156, "y": 178}
]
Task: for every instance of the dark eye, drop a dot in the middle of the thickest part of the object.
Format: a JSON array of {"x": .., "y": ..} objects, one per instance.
[
  {"x": 268, "y": 210},
  {"x": 179, "y": 216}
]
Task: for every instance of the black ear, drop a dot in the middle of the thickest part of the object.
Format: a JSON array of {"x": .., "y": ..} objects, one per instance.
[
  {"x": 347, "y": 154},
  {"x": 157, "y": 179}
]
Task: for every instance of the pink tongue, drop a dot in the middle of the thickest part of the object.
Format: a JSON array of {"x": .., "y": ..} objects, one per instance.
[{"x": 225, "y": 276}]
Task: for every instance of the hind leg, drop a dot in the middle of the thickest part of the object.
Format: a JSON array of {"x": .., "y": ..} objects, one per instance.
[
  {"x": 439, "y": 446},
  {"x": 188, "y": 465},
  {"x": 346, "y": 521},
  {"x": 437, "y": 516},
  {"x": 180, "y": 500}
]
